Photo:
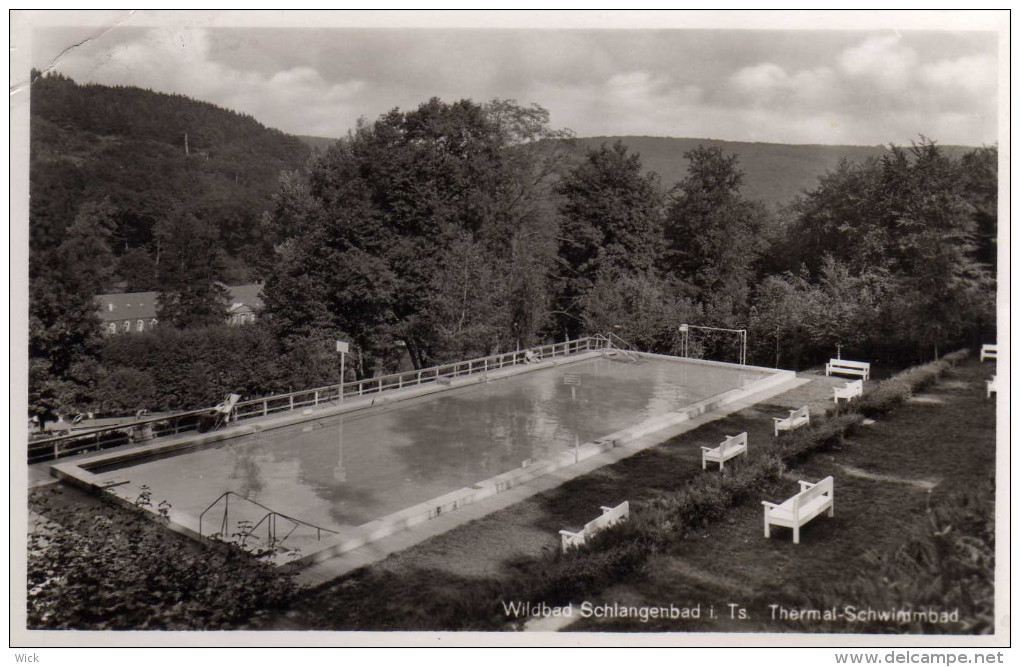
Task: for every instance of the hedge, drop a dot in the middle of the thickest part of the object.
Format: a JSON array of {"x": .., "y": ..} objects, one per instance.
[{"x": 892, "y": 392}]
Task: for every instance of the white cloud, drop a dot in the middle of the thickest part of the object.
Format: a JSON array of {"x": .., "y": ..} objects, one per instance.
[
  {"x": 976, "y": 75},
  {"x": 770, "y": 84},
  {"x": 881, "y": 60},
  {"x": 739, "y": 86}
]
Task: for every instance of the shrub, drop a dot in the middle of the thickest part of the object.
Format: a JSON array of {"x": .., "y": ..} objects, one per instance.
[
  {"x": 954, "y": 358},
  {"x": 108, "y": 568},
  {"x": 947, "y": 563},
  {"x": 890, "y": 393},
  {"x": 824, "y": 433}
]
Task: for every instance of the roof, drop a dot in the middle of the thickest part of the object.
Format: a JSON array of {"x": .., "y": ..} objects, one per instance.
[
  {"x": 125, "y": 306},
  {"x": 142, "y": 305},
  {"x": 248, "y": 295}
]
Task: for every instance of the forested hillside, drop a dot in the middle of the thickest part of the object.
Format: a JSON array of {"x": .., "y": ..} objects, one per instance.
[{"x": 148, "y": 157}]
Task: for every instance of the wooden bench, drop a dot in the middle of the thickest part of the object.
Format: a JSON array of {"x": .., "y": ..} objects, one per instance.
[
  {"x": 847, "y": 367},
  {"x": 849, "y": 391},
  {"x": 610, "y": 517},
  {"x": 812, "y": 500},
  {"x": 989, "y": 351},
  {"x": 993, "y": 387},
  {"x": 733, "y": 445},
  {"x": 797, "y": 418}
]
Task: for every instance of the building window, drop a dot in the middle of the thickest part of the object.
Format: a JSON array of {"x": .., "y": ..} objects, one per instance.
[
  {"x": 152, "y": 323},
  {"x": 112, "y": 328},
  {"x": 140, "y": 325},
  {"x": 127, "y": 326}
]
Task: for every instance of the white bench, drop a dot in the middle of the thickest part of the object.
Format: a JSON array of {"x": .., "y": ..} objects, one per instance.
[
  {"x": 993, "y": 387},
  {"x": 610, "y": 517},
  {"x": 847, "y": 367},
  {"x": 849, "y": 391},
  {"x": 812, "y": 500},
  {"x": 733, "y": 445},
  {"x": 989, "y": 351},
  {"x": 797, "y": 418}
]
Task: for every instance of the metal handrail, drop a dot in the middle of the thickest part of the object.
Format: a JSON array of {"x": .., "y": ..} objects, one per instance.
[
  {"x": 435, "y": 371},
  {"x": 269, "y": 512},
  {"x": 629, "y": 346},
  {"x": 154, "y": 427}
]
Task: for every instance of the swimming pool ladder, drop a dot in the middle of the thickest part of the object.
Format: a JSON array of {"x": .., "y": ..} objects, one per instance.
[
  {"x": 269, "y": 518},
  {"x": 627, "y": 350}
]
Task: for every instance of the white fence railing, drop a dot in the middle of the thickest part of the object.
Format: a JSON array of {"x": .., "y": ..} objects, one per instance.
[{"x": 147, "y": 429}]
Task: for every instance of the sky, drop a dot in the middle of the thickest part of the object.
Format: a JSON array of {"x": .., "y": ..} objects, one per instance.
[{"x": 853, "y": 86}]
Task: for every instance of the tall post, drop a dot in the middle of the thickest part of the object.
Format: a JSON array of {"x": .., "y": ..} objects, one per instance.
[
  {"x": 574, "y": 381},
  {"x": 343, "y": 348}
]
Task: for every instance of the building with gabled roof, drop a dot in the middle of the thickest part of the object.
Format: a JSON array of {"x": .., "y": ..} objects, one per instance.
[{"x": 134, "y": 312}]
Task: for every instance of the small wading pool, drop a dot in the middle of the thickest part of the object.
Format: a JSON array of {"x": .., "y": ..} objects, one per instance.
[{"x": 343, "y": 471}]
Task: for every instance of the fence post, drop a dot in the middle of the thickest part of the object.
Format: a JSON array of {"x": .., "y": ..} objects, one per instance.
[
  {"x": 292, "y": 402},
  {"x": 316, "y": 399},
  {"x": 265, "y": 407}
]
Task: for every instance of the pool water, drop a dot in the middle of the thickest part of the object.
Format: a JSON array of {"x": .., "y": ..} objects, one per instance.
[{"x": 343, "y": 471}]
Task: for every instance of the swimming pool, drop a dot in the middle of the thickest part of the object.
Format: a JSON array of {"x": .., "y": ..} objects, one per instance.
[{"x": 344, "y": 471}]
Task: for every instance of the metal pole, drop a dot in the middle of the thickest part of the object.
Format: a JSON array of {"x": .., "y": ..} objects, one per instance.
[{"x": 342, "y": 362}]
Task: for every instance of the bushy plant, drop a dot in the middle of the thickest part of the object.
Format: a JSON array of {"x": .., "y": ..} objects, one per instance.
[
  {"x": 107, "y": 568},
  {"x": 794, "y": 446},
  {"x": 947, "y": 563},
  {"x": 890, "y": 393},
  {"x": 954, "y": 358}
]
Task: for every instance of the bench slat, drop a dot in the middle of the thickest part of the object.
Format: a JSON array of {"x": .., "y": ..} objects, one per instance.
[
  {"x": 801, "y": 508},
  {"x": 610, "y": 517},
  {"x": 848, "y": 367},
  {"x": 732, "y": 446}
]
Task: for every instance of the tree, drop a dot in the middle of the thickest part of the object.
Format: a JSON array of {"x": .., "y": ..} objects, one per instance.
[
  {"x": 63, "y": 329},
  {"x": 934, "y": 248},
  {"x": 639, "y": 307},
  {"x": 137, "y": 270},
  {"x": 776, "y": 322},
  {"x": 190, "y": 265},
  {"x": 844, "y": 217},
  {"x": 979, "y": 171},
  {"x": 712, "y": 234},
  {"x": 610, "y": 221},
  {"x": 896, "y": 237},
  {"x": 85, "y": 257},
  {"x": 426, "y": 228}
]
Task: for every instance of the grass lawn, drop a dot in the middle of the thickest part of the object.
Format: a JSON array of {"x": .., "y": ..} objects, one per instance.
[{"x": 939, "y": 444}]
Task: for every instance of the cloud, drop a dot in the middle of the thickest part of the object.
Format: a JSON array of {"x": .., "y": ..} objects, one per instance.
[
  {"x": 840, "y": 87},
  {"x": 769, "y": 84},
  {"x": 883, "y": 61},
  {"x": 975, "y": 75},
  {"x": 634, "y": 102}
]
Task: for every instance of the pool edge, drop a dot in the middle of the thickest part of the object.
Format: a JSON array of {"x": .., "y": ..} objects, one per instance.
[{"x": 78, "y": 474}]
